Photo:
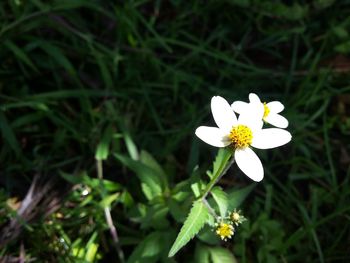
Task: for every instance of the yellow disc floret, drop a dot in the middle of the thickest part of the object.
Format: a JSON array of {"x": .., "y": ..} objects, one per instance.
[
  {"x": 224, "y": 230},
  {"x": 241, "y": 136},
  {"x": 266, "y": 111}
]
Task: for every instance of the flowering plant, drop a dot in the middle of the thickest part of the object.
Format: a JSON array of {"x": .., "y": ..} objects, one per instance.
[{"x": 237, "y": 136}]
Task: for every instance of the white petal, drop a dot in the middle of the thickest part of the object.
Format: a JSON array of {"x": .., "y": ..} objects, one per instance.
[
  {"x": 275, "y": 106},
  {"x": 250, "y": 164},
  {"x": 213, "y": 136},
  {"x": 277, "y": 120},
  {"x": 270, "y": 138},
  {"x": 223, "y": 114},
  {"x": 253, "y": 98},
  {"x": 252, "y": 116},
  {"x": 239, "y": 106}
]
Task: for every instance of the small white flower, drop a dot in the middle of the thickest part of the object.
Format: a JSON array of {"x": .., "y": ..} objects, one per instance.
[
  {"x": 241, "y": 134},
  {"x": 271, "y": 110}
]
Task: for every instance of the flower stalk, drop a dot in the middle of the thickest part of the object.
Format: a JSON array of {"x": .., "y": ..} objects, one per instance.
[
  {"x": 225, "y": 165},
  {"x": 108, "y": 215},
  {"x": 221, "y": 171}
]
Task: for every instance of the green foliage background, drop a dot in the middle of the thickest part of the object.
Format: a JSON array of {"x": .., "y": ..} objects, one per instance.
[{"x": 128, "y": 82}]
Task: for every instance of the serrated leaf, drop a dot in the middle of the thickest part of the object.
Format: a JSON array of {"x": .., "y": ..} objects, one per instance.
[
  {"x": 194, "y": 222},
  {"x": 236, "y": 197},
  {"x": 221, "y": 199},
  {"x": 222, "y": 255}
]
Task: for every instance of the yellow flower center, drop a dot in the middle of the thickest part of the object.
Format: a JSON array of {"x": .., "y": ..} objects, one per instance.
[
  {"x": 225, "y": 231},
  {"x": 241, "y": 136},
  {"x": 266, "y": 111}
]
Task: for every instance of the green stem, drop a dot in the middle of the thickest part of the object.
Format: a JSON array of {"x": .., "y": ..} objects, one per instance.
[
  {"x": 210, "y": 209},
  {"x": 222, "y": 170},
  {"x": 108, "y": 215}
]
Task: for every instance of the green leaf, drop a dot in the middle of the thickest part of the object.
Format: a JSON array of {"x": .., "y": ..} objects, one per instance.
[
  {"x": 222, "y": 255},
  {"x": 92, "y": 249},
  {"x": 104, "y": 69},
  {"x": 150, "y": 182},
  {"x": 201, "y": 254},
  {"x": 343, "y": 47},
  {"x": 108, "y": 200},
  {"x": 83, "y": 178},
  {"x": 57, "y": 54},
  {"x": 102, "y": 150},
  {"x": 73, "y": 179},
  {"x": 148, "y": 250},
  {"x": 91, "y": 252},
  {"x": 156, "y": 217},
  {"x": 9, "y": 135},
  {"x": 176, "y": 210},
  {"x": 221, "y": 159},
  {"x": 130, "y": 146},
  {"x": 194, "y": 222},
  {"x": 146, "y": 189},
  {"x": 321, "y": 4},
  {"x": 147, "y": 159},
  {"x": 196, "y": 188},
  {"x": 20, "y": 54},
  {"x": 221, "y": 199},
  {"x": 340, "y": 32},
  {"x": 193, "y": 156},
  {"x": 207, "y": 235},
  {"x": 126, "y": 199},
  {"x": 237, "y": 197}
]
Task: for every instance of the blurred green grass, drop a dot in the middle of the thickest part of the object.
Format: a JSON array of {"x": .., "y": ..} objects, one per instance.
[{"x": 148, "y": 69}]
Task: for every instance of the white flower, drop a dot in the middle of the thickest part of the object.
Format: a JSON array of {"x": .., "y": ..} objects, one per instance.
[
  {"x": 271, "y": 110},
  {"x": 241, "y": 134}
]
